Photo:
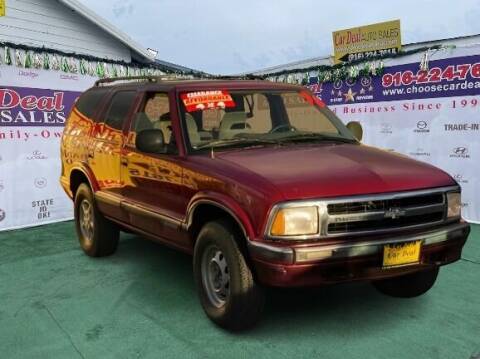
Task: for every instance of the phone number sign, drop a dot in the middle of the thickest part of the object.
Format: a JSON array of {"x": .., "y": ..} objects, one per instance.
[{"x": 458, "y": 76}]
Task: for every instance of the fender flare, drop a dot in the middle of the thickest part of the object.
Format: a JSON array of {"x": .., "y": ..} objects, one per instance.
[
  {"x": 226, "y": 204},
  {"x": 87, "y": 172}
]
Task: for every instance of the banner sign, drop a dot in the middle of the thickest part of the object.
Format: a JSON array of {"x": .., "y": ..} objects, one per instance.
[
  {"x": 20, "y": 106},
  {"x": 367, "y": 41},
  {"x": 34, "y": 105},
  {"x": 452, "y": 77},
  {"x": 431, "y": 116}
]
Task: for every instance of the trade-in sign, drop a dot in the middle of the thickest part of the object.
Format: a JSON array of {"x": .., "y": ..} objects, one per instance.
[{"x": 364, "y": 42}]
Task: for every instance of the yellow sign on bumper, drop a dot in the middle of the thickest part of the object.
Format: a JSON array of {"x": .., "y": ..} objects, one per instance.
[{"x": 399, "y": 254}]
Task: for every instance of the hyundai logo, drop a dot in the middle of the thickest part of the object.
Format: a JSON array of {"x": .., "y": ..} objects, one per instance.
[
  {"x": 421, "y": 125},
  {"x": 394, "y": 213},
  {"x": 460, "y": 150}
]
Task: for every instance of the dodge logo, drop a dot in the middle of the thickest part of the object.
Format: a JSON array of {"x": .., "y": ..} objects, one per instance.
[{"x": 394, "y": 213}]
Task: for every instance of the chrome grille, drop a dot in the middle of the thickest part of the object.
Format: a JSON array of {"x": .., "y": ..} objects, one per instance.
[
  {"x": 381, "y": 205},
  {"x": 385, "y": 213}
]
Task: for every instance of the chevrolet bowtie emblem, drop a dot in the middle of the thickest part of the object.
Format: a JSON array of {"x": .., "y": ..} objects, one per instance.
[{"x": 394, "y": 213}]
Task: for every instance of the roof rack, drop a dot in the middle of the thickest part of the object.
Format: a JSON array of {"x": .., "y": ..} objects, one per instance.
[
  {"x": 240, "y": 77},
  {"x": 125, "y": 78},
  {"x": 107, "y": 81}
]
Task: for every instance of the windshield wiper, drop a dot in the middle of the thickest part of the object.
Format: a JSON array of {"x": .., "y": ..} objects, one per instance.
[
  {"x": 237, "y": 141},
  {"x": 315, "y": 137}
]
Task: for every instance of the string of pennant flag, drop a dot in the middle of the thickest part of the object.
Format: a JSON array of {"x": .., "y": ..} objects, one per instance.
[
  {"x": 41, "y": 58},
  {"x": 375, "y": 66}
]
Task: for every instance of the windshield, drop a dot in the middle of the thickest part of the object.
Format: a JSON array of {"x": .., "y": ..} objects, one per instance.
[{"x": 215, "y": 119}]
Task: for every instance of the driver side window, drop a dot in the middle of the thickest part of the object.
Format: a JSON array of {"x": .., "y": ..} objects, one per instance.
[{"x": 154, "y": 114}]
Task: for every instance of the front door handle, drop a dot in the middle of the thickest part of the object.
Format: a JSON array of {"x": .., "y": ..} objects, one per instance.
[{"x": 124, "y": 161}]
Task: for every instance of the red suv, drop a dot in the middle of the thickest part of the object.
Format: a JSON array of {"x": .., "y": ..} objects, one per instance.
[{"x": 262, "y": 183}]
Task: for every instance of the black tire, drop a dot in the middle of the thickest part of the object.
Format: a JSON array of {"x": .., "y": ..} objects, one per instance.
[
  {"x": 240, "y": 305},
  {"x": 100, "y": 240},
  {"x": 409, "y": 285}
]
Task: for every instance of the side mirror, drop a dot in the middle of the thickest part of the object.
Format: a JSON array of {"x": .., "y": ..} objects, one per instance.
[
  {"x": 356, "y": 129},
  {"x": 150, "y": 141}
]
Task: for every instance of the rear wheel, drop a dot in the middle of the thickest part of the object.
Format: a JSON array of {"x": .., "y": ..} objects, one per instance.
[
  {"x": 409, "y": 285},
  {"x": 228, "y": 292},
  {"x": 97, "y": 235}
]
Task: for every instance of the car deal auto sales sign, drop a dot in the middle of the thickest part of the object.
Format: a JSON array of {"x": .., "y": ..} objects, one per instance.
[{"x": 34, "y": 107}]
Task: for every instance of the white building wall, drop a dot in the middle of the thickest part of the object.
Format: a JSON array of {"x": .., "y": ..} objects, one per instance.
[{"x": 50, "y": 24}]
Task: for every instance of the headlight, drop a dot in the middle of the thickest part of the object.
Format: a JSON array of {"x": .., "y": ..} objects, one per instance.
[
  {"x": 454, "y": 203},
  {"x": 295, "y": 221}
]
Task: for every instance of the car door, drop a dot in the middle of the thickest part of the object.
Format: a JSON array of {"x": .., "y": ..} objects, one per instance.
[
  {"x": 105, "y": 152},
  {"x": 152, "y": 183}
]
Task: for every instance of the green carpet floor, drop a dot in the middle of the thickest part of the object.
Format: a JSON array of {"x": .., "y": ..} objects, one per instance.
[{"x": 141, "y": 303}]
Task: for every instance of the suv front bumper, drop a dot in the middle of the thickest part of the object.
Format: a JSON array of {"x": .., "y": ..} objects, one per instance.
[{"x": 348, "y": 260}]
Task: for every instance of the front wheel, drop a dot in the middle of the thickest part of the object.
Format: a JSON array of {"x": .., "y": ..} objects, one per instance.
[
  {"x": 228, "y": 292},
  {"x": 409, "y": 285}
]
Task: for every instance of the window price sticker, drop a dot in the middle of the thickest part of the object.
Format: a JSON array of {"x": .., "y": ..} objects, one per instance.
[{"x": 207, "y": 100}]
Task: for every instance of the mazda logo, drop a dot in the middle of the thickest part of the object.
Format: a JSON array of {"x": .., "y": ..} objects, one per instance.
[
  {"x": 460, "y": 150},
  {"x": 421, "y": 125}
]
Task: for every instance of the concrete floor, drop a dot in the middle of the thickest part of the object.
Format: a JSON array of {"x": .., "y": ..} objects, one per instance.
[{"x": 57, "y": 303}]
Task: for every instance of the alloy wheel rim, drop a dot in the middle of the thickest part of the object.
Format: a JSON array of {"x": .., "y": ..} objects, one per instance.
[
  {"x": 215, "y": 276},
  {"x": 86, "y": 220}
]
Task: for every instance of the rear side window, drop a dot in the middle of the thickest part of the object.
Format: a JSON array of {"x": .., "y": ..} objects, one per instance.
[
  {"x": 119, "y": 108},
  {"x": 88, "y": 103}
]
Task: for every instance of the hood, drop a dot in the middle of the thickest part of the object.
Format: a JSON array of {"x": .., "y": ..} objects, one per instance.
[{"x": 314, "y": 171}]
